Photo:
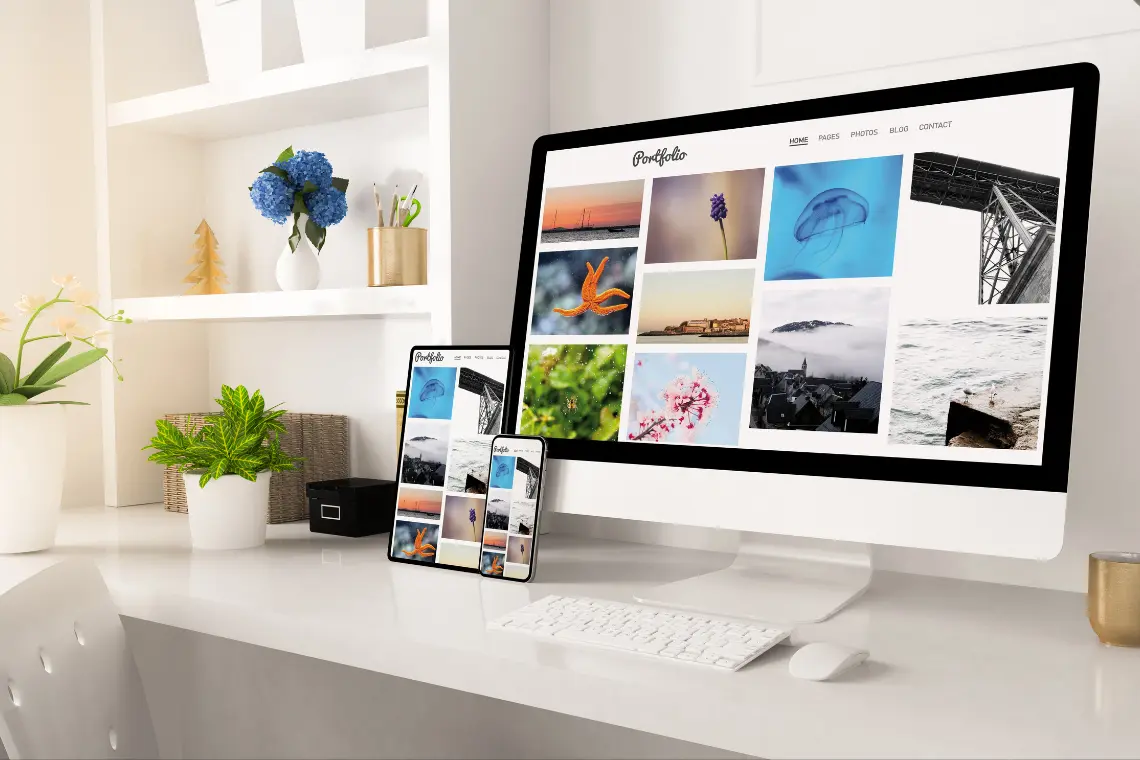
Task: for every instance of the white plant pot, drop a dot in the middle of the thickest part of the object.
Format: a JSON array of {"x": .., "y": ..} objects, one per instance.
[
  {"x": 300, "y": 269},
  {"x": 33, "y": 442},
  {"x": 231, "y": 38},
  {"x": 329, "y": 28},
  {"x": 229, "y": 513}
]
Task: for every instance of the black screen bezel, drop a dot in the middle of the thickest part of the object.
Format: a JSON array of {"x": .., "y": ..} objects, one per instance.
[
  {"x": 1053, "y": 472},
  {"x": 400, "y": 452}
]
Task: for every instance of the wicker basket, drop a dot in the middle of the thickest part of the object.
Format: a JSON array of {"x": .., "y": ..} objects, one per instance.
[{"x": 321, "y": 438}]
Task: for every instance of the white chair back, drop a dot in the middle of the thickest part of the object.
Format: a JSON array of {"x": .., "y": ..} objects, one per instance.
[{"x": 68, "y": 684}]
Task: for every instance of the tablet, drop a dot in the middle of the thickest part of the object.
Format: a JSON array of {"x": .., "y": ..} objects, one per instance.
[{"x": 455, "y": 406}]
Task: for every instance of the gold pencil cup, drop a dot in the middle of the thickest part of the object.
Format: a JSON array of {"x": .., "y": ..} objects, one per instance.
[
  {"x": 397, "y": 256},
  {"x": 1114, "y": 597}
]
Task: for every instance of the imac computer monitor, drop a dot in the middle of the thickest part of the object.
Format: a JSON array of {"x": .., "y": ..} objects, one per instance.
[{"x": 853, "y": 318}]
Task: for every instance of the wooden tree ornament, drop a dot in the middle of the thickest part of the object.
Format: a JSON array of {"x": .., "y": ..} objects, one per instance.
[{"x": 207, "y": 276}]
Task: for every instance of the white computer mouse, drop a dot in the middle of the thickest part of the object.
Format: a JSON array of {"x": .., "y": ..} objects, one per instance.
[{"x": 823, "y": 661}]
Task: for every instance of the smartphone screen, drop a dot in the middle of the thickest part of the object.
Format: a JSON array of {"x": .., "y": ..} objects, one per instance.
[{"x": 510, "y": 527}]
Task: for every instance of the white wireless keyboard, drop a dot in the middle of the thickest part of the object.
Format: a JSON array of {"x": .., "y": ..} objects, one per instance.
[{"x": 657, "y": 632}]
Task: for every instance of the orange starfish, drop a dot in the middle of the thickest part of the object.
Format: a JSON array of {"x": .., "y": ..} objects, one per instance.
[
  {"x": 591, "y": 298},
  {"x": 496, "y": 568},
  {"x": 421, "y": 549}
]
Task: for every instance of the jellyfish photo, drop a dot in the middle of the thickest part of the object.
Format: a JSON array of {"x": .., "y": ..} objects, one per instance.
[
  {"x": 820, "y": 225},
  {"x": 834, "y": 219},
  {"x": 432, "y": 395},
  {"x": 432, "y": 389}
]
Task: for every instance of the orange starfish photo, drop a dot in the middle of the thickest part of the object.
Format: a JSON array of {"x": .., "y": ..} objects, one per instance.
[
  {"x": 496, "y": 568},
  {"x": 591, "y": 298},
  {"x": 421, "y": 549}
]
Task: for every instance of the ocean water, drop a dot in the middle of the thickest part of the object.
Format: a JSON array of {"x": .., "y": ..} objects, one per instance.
[
  {"x": 600, "y": 233},
  {"x": 937, "y": 360}
]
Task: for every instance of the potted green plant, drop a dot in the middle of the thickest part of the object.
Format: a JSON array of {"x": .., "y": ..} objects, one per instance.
[
  {"x": 33, "y": 432},
  {"x": 227, "y": 464}
]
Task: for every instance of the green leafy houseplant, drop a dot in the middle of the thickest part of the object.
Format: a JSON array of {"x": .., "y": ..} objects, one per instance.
[
  {"x": 243, "y": 439},
  {"x": 17, "y": 389}
]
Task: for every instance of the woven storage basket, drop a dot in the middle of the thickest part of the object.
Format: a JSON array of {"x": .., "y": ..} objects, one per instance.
[{"x": 321, "y": 438}]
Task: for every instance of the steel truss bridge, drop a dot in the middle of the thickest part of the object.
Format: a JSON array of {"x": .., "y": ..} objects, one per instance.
[
  {"x": 532, "y": 473},
  {"x": 490, "y": 394},
  {"x": 1019, "y": 212}
]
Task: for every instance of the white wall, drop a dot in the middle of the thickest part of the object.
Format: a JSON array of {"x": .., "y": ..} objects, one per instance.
[
  {"x": 646, "y": 59},
  {"x": 46, "y": 139}
]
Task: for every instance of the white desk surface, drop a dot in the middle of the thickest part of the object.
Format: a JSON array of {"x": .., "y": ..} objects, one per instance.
[{"x": 957, "y": 669}]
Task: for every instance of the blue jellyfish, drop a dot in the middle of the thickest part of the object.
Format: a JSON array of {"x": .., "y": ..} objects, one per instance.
[
  {"x": 432, "y": 389},
  {"x": 820, "y": 225},
  {"x": 502, "y": 470}
]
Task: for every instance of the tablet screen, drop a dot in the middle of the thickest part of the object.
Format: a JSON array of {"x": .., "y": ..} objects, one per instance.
[{"x": 454, "y": 408}]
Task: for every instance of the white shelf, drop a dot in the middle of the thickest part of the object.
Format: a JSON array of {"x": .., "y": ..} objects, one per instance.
[
  {"x": 378, "y": 80},
  {"x": 409, "y": 300}
]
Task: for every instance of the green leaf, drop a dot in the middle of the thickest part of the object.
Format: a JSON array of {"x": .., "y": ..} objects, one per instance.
[
  {"x": 31, "y": 391},
  {"x": 308, "y": 187},
  {"x": 12, "y": 399},
  {"x": 340, "y": 184},
  {"x": 49, "y": 361},
  {"x": 295, "y": 237},
  {"x": 275, "y": 170},
  {"x": 71, "y": 366},
  {"x": 7, "y": 375},
  {"x": 316, "y": 234},
  {"x": 286, "y": 154},
  {"x": 299, "y": 203}
]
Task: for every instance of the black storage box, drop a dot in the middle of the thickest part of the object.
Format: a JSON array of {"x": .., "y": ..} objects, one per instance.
[{"x": 352, "y": 507}]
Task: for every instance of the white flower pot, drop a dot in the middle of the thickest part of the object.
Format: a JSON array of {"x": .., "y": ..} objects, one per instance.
[
  {"x": 229, "y": 513},
  {"x": 329, "y": 28},
  {"x": 33, "y": 441},
  {"x": 300, "y": 269},
  {"x": 231, "y": 38}
]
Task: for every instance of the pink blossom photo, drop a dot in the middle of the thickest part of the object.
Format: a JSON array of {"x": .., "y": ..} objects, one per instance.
[{"x": 686, "y": 398}]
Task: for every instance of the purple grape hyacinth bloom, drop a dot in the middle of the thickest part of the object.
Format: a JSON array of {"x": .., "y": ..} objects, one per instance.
[
  {"x": 472, "y": 517},
  {"x": 719, "y": 212}
]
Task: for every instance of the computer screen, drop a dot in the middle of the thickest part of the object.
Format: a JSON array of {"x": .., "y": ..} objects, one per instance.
[{"x": 826, "y": 287}]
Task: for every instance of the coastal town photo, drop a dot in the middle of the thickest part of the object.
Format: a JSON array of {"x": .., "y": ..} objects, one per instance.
[{"x": 819, "y": 360}]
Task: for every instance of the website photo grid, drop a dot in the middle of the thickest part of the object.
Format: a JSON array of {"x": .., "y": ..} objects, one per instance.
[
  {"x": 454, "y": 409},
  {"x": 877, "y": 284}
]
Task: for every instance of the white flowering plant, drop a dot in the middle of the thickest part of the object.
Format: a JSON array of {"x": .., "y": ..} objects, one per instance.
[{"x": 16, "y": 388}]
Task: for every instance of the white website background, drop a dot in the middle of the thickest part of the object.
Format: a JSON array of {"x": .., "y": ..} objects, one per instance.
[{"x": 934, "y": 278}]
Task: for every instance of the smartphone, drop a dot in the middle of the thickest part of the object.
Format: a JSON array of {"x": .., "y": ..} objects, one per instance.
[{"x": 514, "y": 498}]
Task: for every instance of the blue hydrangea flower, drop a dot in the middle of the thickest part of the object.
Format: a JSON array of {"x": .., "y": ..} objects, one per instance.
[
  {"x": 309, "y": 166},
  {"x": 719, "y": 209},
  {"x": 326, "y": 207},
  {"x": 273, "y": 197}
]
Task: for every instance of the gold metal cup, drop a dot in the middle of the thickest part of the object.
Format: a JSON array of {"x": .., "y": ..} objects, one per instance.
[
  {"x": 397, "y": 256},
  {"x": 1114, "y": 597}
]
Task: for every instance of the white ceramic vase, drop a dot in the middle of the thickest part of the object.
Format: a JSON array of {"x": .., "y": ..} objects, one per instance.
[
  {"x": 299, "y": 269},
  {"x": 229, "y": 513},
  {"x": 33, "y": 441},
  {"x": 329, "y": 28},
  {"x": 231, "y": 38}
]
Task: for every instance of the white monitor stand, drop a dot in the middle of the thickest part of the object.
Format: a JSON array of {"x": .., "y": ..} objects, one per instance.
[{"x": 774, "y": 579}]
